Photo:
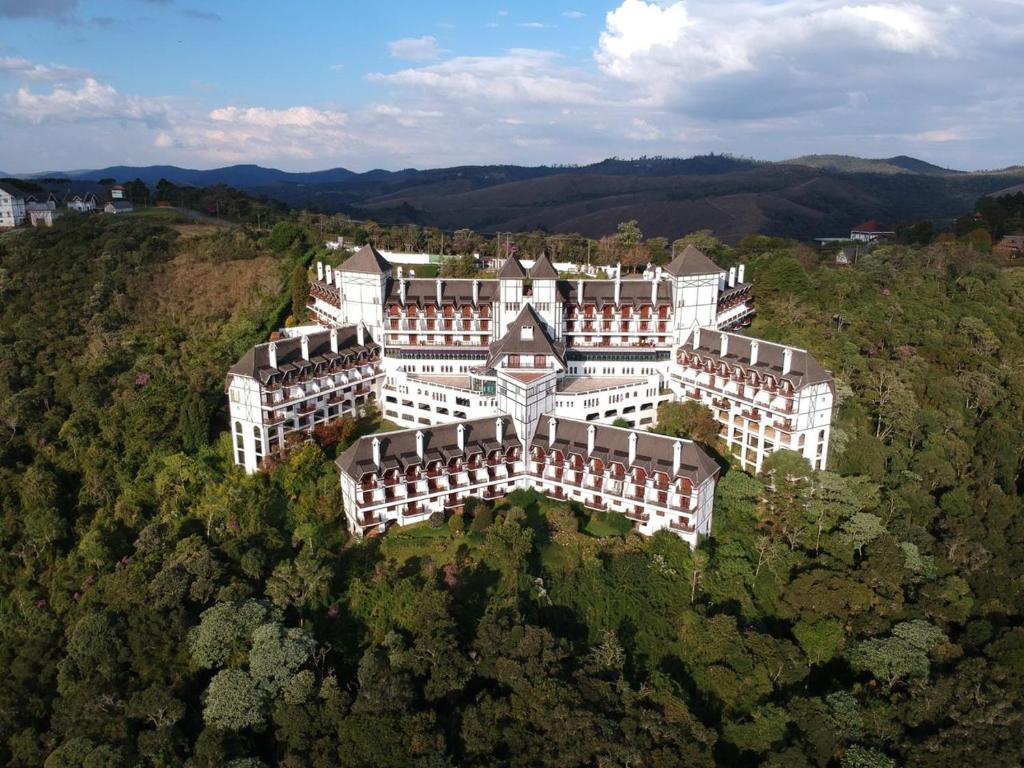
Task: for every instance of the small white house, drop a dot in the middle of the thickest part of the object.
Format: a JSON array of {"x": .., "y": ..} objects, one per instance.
[
  {"x": 12, "y": 207},
  {"x": 82, "y": 203},
  {"x": 117, "y": 192},
  {"x": 42, "y": 213}
]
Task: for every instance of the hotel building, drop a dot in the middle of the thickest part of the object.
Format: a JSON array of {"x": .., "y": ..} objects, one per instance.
[{"x": 515, "y": 381}]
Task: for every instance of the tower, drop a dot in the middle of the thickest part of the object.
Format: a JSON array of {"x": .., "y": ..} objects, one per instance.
[
  {"x": 364, "y": 285},
  {"x": 543, "y": 295},
  {"x": 695, "y": 285}
]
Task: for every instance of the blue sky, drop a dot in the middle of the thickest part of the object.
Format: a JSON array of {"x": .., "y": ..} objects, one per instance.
[{"x": 307, "y": 85}]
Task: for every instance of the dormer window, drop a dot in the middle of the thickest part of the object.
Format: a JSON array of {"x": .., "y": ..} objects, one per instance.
[{"x": 526, "y": 333}]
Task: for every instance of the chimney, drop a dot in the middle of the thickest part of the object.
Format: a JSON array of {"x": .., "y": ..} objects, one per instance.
[
  {"x": 725, "y": 344},
  {"x": 439, "y": 291},
  {"x": 739, "y": 273},
  {"x": 304, "y": 342},
  {"x": 654, "y": 292},
  {"x": 632, "y": 448},
  {"x": 399, "y": 272},
  {"x": 732, "y": 277},
  {"x": 460, "y": 432},
  {"x": 419, "y": 444},
  {"x": 618, "y": 283},
  {"x": 334, "y": 340},
  {"x": 722, "y": 282},
  {"x": 552, "y": 424},
  {"x": 696, "y": 338},
  {"x": 376, "y": 452},
  {"x": 787, "y": 360},
  {"x": 337, "y": 278},
  {"x": 591, "y": 437},
  {"x": 499, "y": 430},
  {"x": 329, "y": 273},
  {"x": 754, "y": 348},
  {"x": 401, "y": 288},
  {"x": 319, "y": 270},
  {"x": 272, "y": 353},
  {"x": 476, "y": 293},
  {"x": 579, "y": 291},
  {"x": 677, "y": 456},
  {"x": 359, "y": 334}
]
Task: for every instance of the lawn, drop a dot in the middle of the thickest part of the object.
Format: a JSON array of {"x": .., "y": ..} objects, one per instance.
[{"x": 604, "y": 524}]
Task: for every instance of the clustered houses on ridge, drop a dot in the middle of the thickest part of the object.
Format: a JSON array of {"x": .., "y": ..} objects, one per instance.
[{"x": 514, "y": 382}]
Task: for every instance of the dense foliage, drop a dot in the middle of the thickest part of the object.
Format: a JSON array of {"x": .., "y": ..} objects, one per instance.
[{"x": 158, "y": 608}]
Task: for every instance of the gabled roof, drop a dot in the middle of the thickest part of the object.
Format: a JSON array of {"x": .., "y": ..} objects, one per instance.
[
  {"x": 513, "y": 343},
  {"x": 121, "y": 205},
  {"x": 804, "y": 369},
  {"x": 654, "y": 453},
  {"x": 512, "y": 270},
  {"x": 692, "y": 261},
  {"x": 543, "y": 269},
  {"x": 256, "y": 362},
  {"x": 366, "y": 261},
  {"x": 11, "y": 190},
  {"x": 440, "y": 443},
  {"x": 871, "y": 226}
]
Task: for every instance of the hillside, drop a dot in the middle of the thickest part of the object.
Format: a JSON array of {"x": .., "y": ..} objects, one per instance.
[
  {"x": 850, "y": 164},
  {"x": 159, "y": 608},
  {"x": 802, "y": 198}
]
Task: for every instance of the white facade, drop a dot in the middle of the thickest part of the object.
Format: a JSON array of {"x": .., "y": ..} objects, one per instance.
[
  {"x": 12, "y": 207},
  {"x": 525, "y": 348},
  {"x": 286, "y": 389}
]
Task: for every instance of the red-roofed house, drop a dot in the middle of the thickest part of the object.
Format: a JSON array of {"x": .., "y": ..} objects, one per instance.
[{"x": 871, "y": 231}]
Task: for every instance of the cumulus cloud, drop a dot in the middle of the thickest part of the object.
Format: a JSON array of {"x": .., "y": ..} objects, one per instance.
[
  {"x": 89, "y": 99},
  {"x": 522, "y": 75},
  {"x": 414, "y": 48}
]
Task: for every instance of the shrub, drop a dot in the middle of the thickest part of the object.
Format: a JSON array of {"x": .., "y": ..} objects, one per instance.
[
  {"x": 482, "y": 520},
  {"x": 456, "y": 525}
]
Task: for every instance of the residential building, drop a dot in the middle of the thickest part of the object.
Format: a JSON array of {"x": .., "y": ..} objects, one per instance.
[
  {"x": 12, "y": 206},
  {"x": 538, "y": 354},
  {"x": 82, "y": 203},
  {"x": 41, "y": 213},
  {"x": 871, "y": 231},
  {"x": 1010, "y": 247},
  {"x": 117, "y": 192},
  {"x": 118, "y": 206}
]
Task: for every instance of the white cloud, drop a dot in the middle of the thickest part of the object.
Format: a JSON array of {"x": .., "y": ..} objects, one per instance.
[
  {"x": 414, "y": 48},
  {"x": 522, "y": 75},
  {"x": 28, "y": 70},
  {"x": 640, "y": 130},
  {"x": 573, "y": 14},
  {"x": 294, "y": 117},
  {"x": 89, "y": 100}
]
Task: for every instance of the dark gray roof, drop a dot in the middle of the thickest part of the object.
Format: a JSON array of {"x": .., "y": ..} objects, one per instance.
[
  {"x": 543, "y": 269},
  {"x": 11, "y": 190},
  {"x": 804, "y": 369},
  {"x": 692, "y": 261},
  {"x": 121, "y": 205},
  {"x": 366, "y": 260},
  {"x": 423, "y": 291},
  {"x": 601, "y": 292},
  {"x": 440, "y": 443},
  {"x": 512, "y": 270},
  {"x": 513, "y": 343},
  {"x": 256, "y": 362},
  {"x": 611, "y": 444}
]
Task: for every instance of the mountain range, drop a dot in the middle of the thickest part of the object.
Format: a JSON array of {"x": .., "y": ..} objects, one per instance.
[{"x": 808, "y": 196}]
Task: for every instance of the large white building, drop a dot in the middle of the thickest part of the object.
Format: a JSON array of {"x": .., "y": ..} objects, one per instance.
[
  {"x": 538, "y": 369},
  {"x": 12, "y": 207}
]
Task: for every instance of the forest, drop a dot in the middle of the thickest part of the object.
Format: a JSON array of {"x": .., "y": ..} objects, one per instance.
[{"x": 159, "y": 608}]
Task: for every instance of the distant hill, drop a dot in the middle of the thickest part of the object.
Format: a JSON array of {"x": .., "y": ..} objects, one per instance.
[
  {"x": 233, "y": 175},
  {"x": 806, "y": 197},
  {"x": 850, "y": 164}
]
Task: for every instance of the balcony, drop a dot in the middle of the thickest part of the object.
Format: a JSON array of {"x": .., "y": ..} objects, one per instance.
[
  {"x": 637, "y": 515},
  {"x": 595, "y": 503},
  {"x": 370, "y": 518},
  {"x": 684, "y": 527}
]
